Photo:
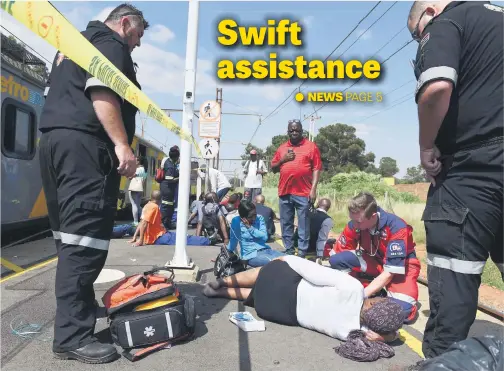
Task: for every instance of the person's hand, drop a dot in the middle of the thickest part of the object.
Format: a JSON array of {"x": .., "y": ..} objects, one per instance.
[
  {"x": 127, "y": 161},
  {"x": 313, "y": 195},
  {"x": 226, "y": 241},
  {"x": 246, "y": 222},
  {"x": 373, "y": 336},
  {"x": 429, "y": 159},
  {"x": 289, "y": 156}
]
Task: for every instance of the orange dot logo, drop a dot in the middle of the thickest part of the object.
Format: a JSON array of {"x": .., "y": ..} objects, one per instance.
[{"x": 45, "y": 25}]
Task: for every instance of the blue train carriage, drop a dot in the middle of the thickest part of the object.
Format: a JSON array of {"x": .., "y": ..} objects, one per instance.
[{"x": 23, "y": 79}]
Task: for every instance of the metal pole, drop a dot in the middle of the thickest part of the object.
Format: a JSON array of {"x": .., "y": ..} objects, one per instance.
[
  {"x": 207, "y": 177},
  {"x": 180, "y": 258}
]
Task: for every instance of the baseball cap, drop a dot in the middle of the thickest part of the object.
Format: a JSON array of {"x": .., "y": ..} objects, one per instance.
[{"x": 253, "y": 152}]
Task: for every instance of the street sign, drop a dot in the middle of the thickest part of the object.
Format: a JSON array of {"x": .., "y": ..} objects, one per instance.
[
  {"x": 209, "y": 148},
  {"x": 209, "y": 120}
]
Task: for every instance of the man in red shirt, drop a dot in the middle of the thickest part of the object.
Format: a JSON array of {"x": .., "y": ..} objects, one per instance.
[
  {"x": 299, "y": 164},
  {"x": 379, "y": 245}
]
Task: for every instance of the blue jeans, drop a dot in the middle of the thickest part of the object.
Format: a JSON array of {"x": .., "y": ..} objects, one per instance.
[
  {"x": 263, "y": 257},
  {"x": 287, "y": 205},
  {"x": 222, "y": 193}
]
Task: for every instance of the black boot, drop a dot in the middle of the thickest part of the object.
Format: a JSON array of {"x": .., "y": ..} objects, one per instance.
[{"x": 94, "y": 352}]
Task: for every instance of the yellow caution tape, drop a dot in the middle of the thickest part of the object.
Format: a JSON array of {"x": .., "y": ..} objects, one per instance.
[{"x": 44, "y": 20}]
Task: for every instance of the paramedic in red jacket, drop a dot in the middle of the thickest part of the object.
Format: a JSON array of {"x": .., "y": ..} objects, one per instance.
[{"x": 380, "y": 245}]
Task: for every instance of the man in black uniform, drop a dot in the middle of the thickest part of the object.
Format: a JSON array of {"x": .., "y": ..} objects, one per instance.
[
  {"x": 169, "y": 186},
  {"x": 84, "y": 149},
  {"x": 459, "y": 68}
]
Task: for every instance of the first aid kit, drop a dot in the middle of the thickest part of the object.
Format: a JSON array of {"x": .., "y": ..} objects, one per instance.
[{"x": 147, "y": 312}]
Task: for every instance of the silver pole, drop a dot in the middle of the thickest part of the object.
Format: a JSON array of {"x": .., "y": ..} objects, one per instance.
[{"x": 180, "y": 258}]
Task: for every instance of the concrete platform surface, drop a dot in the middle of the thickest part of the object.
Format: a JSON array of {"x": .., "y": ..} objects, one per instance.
[{"x": 219, "y": 344}]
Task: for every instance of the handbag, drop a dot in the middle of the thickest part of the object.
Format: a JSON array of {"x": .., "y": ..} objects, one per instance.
[{"x": 227, "y": 264}]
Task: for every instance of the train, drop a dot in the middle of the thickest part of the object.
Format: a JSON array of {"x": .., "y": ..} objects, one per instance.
[{"x": 23, "y": 78}]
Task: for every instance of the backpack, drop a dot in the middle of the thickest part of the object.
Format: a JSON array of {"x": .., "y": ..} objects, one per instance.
[
  {"x": 148, "y": 311},
  {"x": 160, "y": 175},
  {"x": 210, "y": 222},
  {"x": 227, "y": 264}
]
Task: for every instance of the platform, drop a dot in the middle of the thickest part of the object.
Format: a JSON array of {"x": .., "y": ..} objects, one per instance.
[{"x": 219, "y": 345}]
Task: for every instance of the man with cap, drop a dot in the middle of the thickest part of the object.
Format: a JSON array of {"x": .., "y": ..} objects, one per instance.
[
  {"x": 254, "y": 171},
  {"x": 218, "y": 182},
  {"x": 169, "y": 186}
]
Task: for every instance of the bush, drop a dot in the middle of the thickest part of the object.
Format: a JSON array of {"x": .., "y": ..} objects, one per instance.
[{"x": 346, "y": 185}]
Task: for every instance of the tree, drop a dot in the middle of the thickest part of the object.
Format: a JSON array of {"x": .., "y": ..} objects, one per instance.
[
  {"x": 342, "y": 150},
  {"x": 415, "y": 174},
  {"x": 276, "y": 141},
  {"x": 388, "y": 167}
]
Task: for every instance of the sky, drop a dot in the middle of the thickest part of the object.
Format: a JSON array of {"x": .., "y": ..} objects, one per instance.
[{"x": 389, "y": 128}]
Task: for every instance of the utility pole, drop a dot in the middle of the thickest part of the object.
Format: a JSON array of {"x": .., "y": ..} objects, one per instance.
[
  {"x": 311, "y": 130},
  {"x": 218, "y": 99},
  {"x": 180, "y": 259}
]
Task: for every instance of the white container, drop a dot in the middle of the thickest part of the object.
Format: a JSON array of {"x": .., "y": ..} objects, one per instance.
[{"x": 246, "y": 321}]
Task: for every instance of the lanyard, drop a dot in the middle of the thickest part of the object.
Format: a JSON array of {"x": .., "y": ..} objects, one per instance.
[{"x": 359, "y": 251}]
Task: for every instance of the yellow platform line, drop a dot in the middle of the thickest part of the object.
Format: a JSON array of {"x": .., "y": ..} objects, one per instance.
[
  {"x": 33, "y": 267},
  {"x": 13, "y": 267},
  {"x": 411, "y": 341}
]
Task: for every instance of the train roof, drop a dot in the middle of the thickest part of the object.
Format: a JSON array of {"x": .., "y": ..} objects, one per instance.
[{"x": 17, "y": 56}]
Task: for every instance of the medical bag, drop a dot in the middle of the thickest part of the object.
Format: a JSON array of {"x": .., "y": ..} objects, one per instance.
[{"x": 148, "y": 311}]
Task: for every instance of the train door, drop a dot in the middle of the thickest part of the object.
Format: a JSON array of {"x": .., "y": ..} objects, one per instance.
[{"x": 142, "y": 152}]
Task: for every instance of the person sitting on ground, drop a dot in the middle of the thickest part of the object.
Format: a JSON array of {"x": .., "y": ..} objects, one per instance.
[
  {"x": 380, "y": 246},
  {"x": 211, "y": 219},
  {"x": 150, "y": 230},
  {"x": 232, "y": 212},
  {"x": 321, "y": 224},
  {"x": 233, "y": 200},
  {"x": 195, "y": 205},
  {"x": 250, "y": 231},
  {"x": 294, "y": 291},
  {"x": 267, "y": 213}
]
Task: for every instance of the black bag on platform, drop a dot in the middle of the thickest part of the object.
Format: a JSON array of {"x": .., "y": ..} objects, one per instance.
[{"x": 227, "y": 264}]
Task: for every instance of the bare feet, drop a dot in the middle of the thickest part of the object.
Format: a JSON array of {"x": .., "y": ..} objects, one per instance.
[{"x": 209, "y": 291}]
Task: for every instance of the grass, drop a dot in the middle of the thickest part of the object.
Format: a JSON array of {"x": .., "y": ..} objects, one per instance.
[{"x": 410, "y": 212}]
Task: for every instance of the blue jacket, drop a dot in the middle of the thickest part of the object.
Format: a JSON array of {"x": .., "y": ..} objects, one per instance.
[{"x": 251, "y": 239}]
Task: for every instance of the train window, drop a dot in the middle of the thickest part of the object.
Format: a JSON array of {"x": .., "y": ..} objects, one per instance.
[{"x": 19, "y": 126}]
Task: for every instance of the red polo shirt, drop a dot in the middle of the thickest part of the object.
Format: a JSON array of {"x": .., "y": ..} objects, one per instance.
[{"x": 296, "y": 176}]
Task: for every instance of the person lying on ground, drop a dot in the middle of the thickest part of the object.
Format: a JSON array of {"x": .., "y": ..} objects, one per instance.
[
  {"x": 150, "y": 230},
  {"x": 294, "y": 291},
  {"x": 380, "y": 245},
  {"x": 249, "y": 229},
  {"x": 211, "y": 219}
]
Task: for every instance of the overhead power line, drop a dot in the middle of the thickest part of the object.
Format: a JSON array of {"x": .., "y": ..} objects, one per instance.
[
  {"x": 299, "y": 87},
  {"x": 357, "y": 81},
  {"x": 332, "y": 52}
]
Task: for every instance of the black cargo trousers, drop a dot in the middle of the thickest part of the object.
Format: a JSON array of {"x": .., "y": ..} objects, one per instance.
[
  {"x": 464, "y": 225},
  {"x": 81, "y": 186},
  {"x": 167, "y": 203}
]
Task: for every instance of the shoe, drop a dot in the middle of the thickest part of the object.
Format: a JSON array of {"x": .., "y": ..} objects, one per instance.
[{"x": 91, "y": 353}]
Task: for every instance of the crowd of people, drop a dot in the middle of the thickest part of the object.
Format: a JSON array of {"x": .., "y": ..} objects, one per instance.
[{"x": 369, "y": 284}]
